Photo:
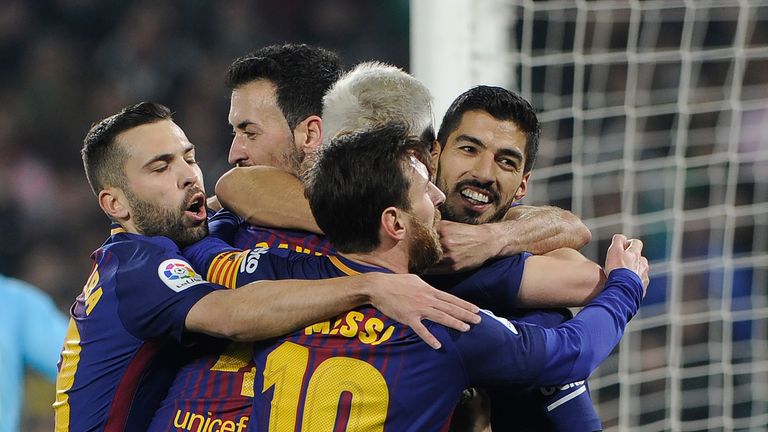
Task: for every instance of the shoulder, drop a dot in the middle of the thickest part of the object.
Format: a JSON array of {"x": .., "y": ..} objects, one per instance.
[
  {"x": 10, "y": 287},
  {"x": 22, "y": 293},
  {"x": 149, "y": 259},
  {"x": 133, "y": 250}
]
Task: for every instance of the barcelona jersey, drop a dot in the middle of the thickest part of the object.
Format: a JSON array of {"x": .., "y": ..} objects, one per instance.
[
  {"x": 566, "y": 407},
  {"x": 249, "y": 236},
  {"x": 213, "y": 389},
  {"x": 363, "y": 371},
  {"x": 126, "y": 329},
  {"x": 562, "y": 408}
]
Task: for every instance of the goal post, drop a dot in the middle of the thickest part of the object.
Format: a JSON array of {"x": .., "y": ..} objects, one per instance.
[
  {"x": 465, "y": 54},
  {"x": 655, "y": 124}
]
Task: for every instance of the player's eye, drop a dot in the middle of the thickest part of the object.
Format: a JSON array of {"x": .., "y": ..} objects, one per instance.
[{"x": 508, "y": 163}]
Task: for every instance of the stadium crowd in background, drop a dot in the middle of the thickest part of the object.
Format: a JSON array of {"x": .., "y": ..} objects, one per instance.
[{"x": 67, "y": 63}]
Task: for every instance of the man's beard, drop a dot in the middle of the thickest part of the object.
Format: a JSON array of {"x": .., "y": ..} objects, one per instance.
[
  {"x": 292, "y": 158},
  {"x": 469, "y": 216},
  {"x": 153, "y": 220},
  {"x": 424, "y": 248}
]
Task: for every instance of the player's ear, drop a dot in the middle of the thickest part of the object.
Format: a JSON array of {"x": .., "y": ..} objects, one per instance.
[
  {"x": 309, "y": 134},
  {"x": 393, "y": 223},
  {"x": 434, "y": 154},
  {"x": 523, "y": 189},
  {"x": 112, "y": 200}
]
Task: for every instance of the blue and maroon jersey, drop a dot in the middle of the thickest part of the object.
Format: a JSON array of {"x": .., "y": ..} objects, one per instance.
[
  {"x": 233, "y": 230},
  {"x": 249, "y": 237},
  {"x": 365, "y": 370},
  {"x": 214, "y": 385},
  {"x": 125, "y": 332}
]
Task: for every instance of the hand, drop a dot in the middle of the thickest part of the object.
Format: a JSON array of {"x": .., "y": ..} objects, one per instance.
[
  {"x": 408, "y": 299},
  {"x": 627, "y": 253},
  {"x": 465, "y": 246}
]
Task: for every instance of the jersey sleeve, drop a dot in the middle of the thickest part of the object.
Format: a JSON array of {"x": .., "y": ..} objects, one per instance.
[
  {"x": 542, "y": 317},
  {"x": 202, "y": 253},
  {"x": 579, "y": 345},
  {"x": 156, "y": 287},
  {"x": 224, "y": 225},
  {"x": 499, "y": 352},
  {"x": 232, "y": 268},
  {"x": 494, "y": 286}
]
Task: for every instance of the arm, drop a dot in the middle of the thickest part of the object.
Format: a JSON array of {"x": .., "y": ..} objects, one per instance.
[
  {"x": 264, "y": 307},
  {"x": 267, "y": 309},
  {"x": 525, "y": 228},
  {"x": 266, "y": 196},
  {"x": 44, "y": 327},
  {"x": 571, "y": 351},
  {"x": 561, "y": 278},
  {"x": 542, "y": 229},
  {"x": 577, "y": 347}
]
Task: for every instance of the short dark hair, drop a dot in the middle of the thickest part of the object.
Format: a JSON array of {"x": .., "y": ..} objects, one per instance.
[
  {"x": 103, "y": 160},
  {"x": 503, "y": 105},
  {"x": 301, "y": 74},
  {"x": 357, "y": 176}
]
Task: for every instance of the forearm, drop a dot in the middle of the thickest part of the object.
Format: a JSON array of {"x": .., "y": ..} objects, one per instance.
[
  {"x": 561, "y": 278},
  {"x": 539, "y": 230},
  {"x": 266, "y": 196},
  {"x": 268, "y": 309}
]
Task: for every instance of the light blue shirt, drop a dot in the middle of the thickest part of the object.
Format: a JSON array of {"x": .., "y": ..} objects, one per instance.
[{"x": 32, "y": 331}]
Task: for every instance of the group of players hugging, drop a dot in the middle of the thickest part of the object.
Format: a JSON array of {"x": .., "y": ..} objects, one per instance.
[{"x": 354, "y": 271}]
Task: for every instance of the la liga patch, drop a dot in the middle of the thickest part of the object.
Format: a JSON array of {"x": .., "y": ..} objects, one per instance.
[{"x": 178, "y": 275}]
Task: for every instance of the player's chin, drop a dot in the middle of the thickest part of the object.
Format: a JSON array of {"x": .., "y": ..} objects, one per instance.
[
  {"x": 485, "y": 217},
  {"x": 192, "y": 235}
]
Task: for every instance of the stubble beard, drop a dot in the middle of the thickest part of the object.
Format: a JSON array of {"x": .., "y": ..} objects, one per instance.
[
  {"x": 424, "y": 249},
  {"x": 153, "y": 220},
  {"x": 292, "y": 158}
]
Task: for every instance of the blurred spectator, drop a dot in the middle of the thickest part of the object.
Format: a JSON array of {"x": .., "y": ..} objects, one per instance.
[{"x": 31, "y": 335}]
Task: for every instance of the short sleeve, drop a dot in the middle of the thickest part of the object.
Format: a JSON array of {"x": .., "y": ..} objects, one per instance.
[{"x": 496, "y": 285}]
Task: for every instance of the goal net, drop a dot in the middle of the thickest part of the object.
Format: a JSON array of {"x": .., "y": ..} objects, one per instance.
[{"x": 654, "y": 124}]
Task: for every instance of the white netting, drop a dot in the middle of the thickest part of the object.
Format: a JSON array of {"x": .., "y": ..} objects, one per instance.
[{"x": 655, "y": 123}]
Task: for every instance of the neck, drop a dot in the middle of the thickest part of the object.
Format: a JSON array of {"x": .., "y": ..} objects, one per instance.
[
  {"x": 128, "y": 226},
  {"x": 392, "y": 259}
]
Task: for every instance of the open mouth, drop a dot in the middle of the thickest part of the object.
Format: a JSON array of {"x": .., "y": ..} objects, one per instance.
[
  {"x": 476, "y": 197},
  {"x": 196, "y": 208}
]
